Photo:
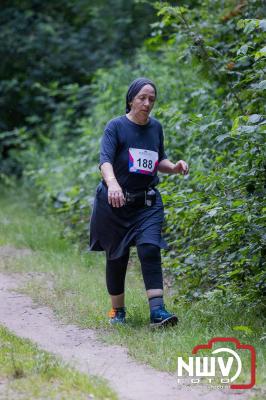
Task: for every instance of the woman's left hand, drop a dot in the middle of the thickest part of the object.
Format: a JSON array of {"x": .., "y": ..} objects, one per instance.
[{"x": 181, "y": 167}]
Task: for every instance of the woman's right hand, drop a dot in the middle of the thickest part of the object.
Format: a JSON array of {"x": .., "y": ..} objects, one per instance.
[{"x": 115, "y": 195}]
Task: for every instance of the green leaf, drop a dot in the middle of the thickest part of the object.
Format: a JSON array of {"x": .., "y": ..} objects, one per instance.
[
  {"x": 221, "y": 138},
  {"x": 247, "y": 128},
  {"x": 213, "y": 212},
  {"x": 243, "y": 50},
  {"x": 248, "y": 24},
  {"x": 262, "y": 25},
  {"x": 261, "y": 53},
  {"x": 254, "y": 118},
  {"x": 235, "y": 272},
  {"x": 235, "y": 125},
  {"x": 237, "y": 203},
  {"x": 242, "y": 328},
  {"x": 261, "y": 85}
]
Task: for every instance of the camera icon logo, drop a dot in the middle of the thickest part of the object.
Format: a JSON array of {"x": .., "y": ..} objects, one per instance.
[{"x": 224, "y": 362}]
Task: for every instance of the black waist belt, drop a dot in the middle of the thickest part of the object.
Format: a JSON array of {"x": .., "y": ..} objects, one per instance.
[{"x": 140, "y": 198}]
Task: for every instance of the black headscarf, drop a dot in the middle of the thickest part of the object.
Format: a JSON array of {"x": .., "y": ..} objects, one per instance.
[{"x": 134, "y": 89}]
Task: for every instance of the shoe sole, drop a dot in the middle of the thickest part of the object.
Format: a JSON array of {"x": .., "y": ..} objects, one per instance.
[
  {"x": 171, "y": 321},
  {"x": 116, "y": 322}
]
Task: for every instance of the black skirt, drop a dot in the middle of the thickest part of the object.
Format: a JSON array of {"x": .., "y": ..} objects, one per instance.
[{"x": 114, "y": 230}]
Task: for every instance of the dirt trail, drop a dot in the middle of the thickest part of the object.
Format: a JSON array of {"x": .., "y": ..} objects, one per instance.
[{"x": 81, "y": 349}]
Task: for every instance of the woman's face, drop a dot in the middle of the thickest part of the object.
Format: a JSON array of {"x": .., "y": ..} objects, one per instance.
[{"x": 143, "y": 102}]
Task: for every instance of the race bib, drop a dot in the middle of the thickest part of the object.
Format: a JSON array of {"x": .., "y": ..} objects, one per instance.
[{"x": 143, "y": 161}]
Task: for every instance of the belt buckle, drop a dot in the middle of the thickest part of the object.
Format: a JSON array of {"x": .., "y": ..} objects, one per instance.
[{"x": 129, "y": 199}]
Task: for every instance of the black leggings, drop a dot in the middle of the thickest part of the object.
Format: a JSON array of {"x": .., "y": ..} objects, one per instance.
[{"x": 150, "y": 259}]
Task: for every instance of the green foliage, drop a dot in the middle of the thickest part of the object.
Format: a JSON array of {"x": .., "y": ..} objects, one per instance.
[
  {"x": 215, "y": 220},
  {"x": 49, "y": 54}
]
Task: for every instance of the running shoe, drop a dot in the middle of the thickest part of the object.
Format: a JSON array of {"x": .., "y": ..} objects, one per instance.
[
  {"x": 161, "y": 317},
  {"x": 117, "y": 316}
]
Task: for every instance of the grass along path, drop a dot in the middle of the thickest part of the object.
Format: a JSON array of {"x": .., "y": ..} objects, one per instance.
[
  {"x": 28, "y": 373},
  {"x": 73, "y": 285},
  {"x": 80, "y": 348}
]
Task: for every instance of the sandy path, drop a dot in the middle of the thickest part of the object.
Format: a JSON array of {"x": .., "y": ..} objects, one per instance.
[{"x": 81, "y": 349}]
